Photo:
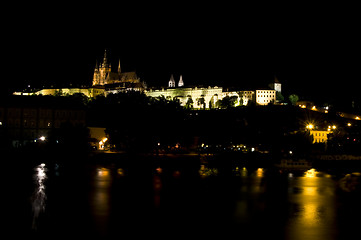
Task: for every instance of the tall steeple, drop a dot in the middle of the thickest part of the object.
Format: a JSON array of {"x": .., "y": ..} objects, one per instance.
[
  {"x": 105, "y": 60},
  {"x": 180, "y": 83},
  {"x": 119, "y": 69},
  {"x": 104, "y": 70}
]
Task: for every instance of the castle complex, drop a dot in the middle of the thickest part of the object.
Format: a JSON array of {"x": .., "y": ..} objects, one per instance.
[
  {"x": 199, "y": 97},
  {"x": 105, "y": 81}
]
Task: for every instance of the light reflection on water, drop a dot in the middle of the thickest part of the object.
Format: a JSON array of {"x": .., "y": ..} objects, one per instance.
[
  {"x": 313, "y": 208},
  {"x": 39, "y": 194},
  {"x": 100, "y": 198},
  {"x": 296, "y": 207}
]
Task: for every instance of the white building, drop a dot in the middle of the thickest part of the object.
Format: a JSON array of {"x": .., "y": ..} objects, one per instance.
[
  {"x": 265, "y": 97},
  {"x": 196, "y": 97}
]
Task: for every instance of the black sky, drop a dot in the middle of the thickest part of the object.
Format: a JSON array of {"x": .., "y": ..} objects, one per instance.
[{"x": 311, "y": 49}]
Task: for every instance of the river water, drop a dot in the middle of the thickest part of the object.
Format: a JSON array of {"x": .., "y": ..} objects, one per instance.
[{"x": 168, "y": 201}]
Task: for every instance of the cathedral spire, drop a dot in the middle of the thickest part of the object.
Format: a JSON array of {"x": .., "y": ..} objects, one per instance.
[
  {"x": 96, "y": 66},
  {"x": 105, "y": 58},
  {"x": 119, "y": 69}
]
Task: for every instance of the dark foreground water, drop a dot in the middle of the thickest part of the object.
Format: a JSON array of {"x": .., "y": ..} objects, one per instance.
[{"x": 175, "y": 200}]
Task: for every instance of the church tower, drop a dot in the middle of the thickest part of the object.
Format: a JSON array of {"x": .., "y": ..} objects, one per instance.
[
  {"x": 102, "y": 71},
  {"x": 276, "y": 85},
  {"x": 171, "y": 82}
]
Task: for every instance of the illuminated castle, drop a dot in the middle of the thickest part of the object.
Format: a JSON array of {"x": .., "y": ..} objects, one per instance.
[{"x": 107, "y": 82}]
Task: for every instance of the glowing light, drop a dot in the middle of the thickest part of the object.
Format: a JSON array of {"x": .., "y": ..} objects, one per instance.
[
  {"x": 310, "y": 126},
  {"x": 120, "y": 172},
  {"x": 42, "y": 138},
  {"x": 357, "y": 118},
  {"x": 349, "y": 124},
  {"x": 103, "y": 172},
  {"x": 311, "y": 173},
  {"x": 102, "y": 142},
  {"x": 260, "y": 172}
]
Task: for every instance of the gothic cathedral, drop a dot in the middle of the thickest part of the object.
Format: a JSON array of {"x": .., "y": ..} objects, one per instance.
[{"x": 103, "y": 74}]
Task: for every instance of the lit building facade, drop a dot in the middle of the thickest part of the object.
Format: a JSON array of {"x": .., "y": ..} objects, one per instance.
[
  {"x": 195, "y": 97},
  {"x": 265, "y": 97},
  {"x": 243, "y": 97},
  {"x": 319, "y": 136},
  {"x": 89, "y": 92}
]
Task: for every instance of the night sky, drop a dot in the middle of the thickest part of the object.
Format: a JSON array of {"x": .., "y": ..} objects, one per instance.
[{"x": 312, "y": 50}]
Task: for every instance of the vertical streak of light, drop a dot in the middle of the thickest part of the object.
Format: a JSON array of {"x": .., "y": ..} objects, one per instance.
[{"x": 39, "y": 195}]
